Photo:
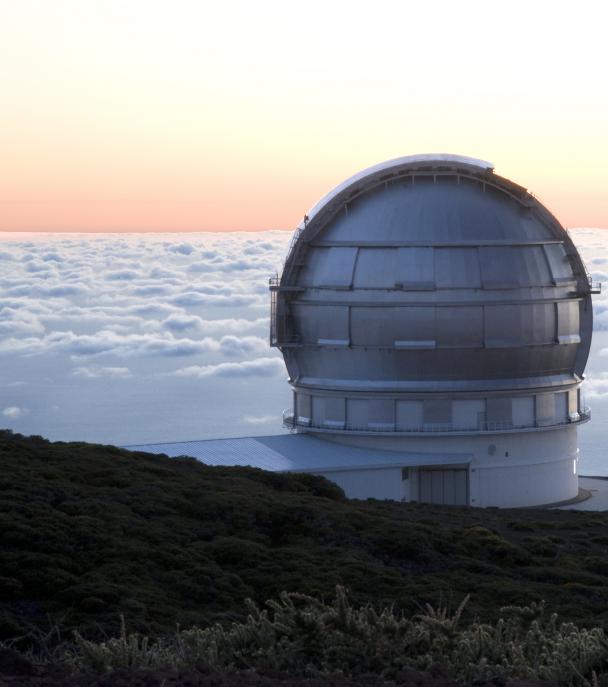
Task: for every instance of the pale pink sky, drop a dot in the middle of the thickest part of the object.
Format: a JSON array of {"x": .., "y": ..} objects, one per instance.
[{"x": 156, "y": 115}]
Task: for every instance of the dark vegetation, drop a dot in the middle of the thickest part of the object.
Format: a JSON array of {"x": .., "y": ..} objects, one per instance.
[
  {"x": 301, "y": 641},
  {"x": 90, "y": 532}
]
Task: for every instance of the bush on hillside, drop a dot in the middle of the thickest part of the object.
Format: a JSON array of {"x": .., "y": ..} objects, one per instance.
[{"x": 299, "y": 635}]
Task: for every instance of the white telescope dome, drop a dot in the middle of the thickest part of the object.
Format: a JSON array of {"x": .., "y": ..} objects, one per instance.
[{"x": 429, "y": 296}]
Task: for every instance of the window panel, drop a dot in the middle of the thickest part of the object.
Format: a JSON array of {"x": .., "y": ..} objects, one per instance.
[
  {"x": 415, "y": 328},
  {"x": 381, "y": 413},
  {"x": 376, "y": 268},
  {"x": 499, "y": 413},
  {"x": 559, "y": 265},
  {"x": 536, "y": 265},
  {"x": 394, "y": 327},
  {"x": 325, "y": 325},
  {"x": 568, "y": 322},
  {"x": 573, "y": 410},
  {"x": 437, "y": 412},
  {"x": 334, "y": 412},
  {"x": 497, "y": 267},
  {"x": 409, "y": 415},
  {"x": 357, "y": 413},
  {"x": 415, "y": 269},
  {"x": 538, "y": 323},
  {"x": 502, "y": 326},
  {"x": 304, "y": 407},
  {"x": 330, "y": 267},
  {"x": 509, "y": 326},
  {"x": 318, "y": 410},
  {"x": 523, "y": 411},
  {"x": 457, "y": 268},
  {"x": 509, "y": 267},
  {"x": 468, "y": 414},
  {"x": 545, "y": 409},
  {"x": 561, "y": 406}
]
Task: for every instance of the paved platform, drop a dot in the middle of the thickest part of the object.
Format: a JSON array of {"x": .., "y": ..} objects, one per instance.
[{"x": 597, "y": 487}]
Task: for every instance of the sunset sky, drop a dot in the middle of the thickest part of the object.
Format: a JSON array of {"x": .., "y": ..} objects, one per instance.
[{"x": 187, "y": 115}]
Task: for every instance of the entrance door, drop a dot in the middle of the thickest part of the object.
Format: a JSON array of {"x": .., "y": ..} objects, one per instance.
[{"x": 448, "y": 487}]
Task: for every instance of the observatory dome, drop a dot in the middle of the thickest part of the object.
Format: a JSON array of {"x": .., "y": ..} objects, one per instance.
[{"x": 428, "y": 295}]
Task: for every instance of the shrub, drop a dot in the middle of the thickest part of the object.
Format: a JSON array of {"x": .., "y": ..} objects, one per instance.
[{"x": 299, "y": 635}]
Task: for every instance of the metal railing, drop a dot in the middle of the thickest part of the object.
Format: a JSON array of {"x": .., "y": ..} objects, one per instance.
[{"x": 293, "y": 423}]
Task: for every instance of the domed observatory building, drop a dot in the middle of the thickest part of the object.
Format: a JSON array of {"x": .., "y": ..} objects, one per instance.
[{"x": 432, "y": 309}]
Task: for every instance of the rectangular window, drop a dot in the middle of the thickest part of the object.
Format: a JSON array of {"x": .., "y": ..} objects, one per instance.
[
  {"x": 568, "y": 322},
  {"x": 499, "y": 413},
  {"x": 573, "y": 410},
  {"x": 437, "y": 413},
  {"x": 333, "y": 412},
  {"x": 545, "y": 409},
  {"x": 523, "y": 411},
  {"x": 304, "y": 410},
  {"x": 467, "y": 413},
  {"x": 357, "y": 415},
  {"x": 381, "y": 413},
  {"x": 415, "y": 269},
  {"x": 561, "y": 406},
  {"x": 409, "y": 415}
]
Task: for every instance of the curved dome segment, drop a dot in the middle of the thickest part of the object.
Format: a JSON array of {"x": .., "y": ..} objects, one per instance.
[{"x": 396, "y": 164}]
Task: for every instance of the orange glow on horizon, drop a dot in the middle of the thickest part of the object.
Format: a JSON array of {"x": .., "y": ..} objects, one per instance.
[{"x": 158, "y": 115}]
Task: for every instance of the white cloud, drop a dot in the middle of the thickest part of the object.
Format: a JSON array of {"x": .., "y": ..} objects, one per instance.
[
  {"x": 122, "y": 275},
  {"x": 260, "y": 419},
  {"x": 97, "y": 372},
  {"x": 243, "y": 345},
  {"x": 182, "y": 248},
  {"x": 17, "y": 322},
  {"x": 79, "y": 313},
  {"x": 14, "y": 412},
  {"x": 192, "y": 298},
  {"x": 260, "y": 367},
  {"x": 117, "y": 341},
  {"x": 597, "y": 386},
  {"x": 181, "y": 322}
]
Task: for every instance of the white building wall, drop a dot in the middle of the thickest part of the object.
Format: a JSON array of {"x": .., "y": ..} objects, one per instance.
[{"x": 510, "y": 469}]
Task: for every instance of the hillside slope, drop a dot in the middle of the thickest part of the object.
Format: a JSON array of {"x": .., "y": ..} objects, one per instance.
[{"x": 88, "y": 532}]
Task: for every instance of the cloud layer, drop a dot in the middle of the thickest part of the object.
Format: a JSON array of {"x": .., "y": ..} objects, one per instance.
[{"x": 89, "y": 322}]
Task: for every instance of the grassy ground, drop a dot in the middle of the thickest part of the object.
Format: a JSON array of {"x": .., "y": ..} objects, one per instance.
[{"x": 89, "y": 532}]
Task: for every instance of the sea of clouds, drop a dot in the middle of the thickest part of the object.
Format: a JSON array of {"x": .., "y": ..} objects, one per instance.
[{"x": 142, "y": 338}]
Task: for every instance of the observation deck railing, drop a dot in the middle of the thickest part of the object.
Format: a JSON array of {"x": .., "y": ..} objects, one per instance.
[{"x": 488, "y": 427}]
